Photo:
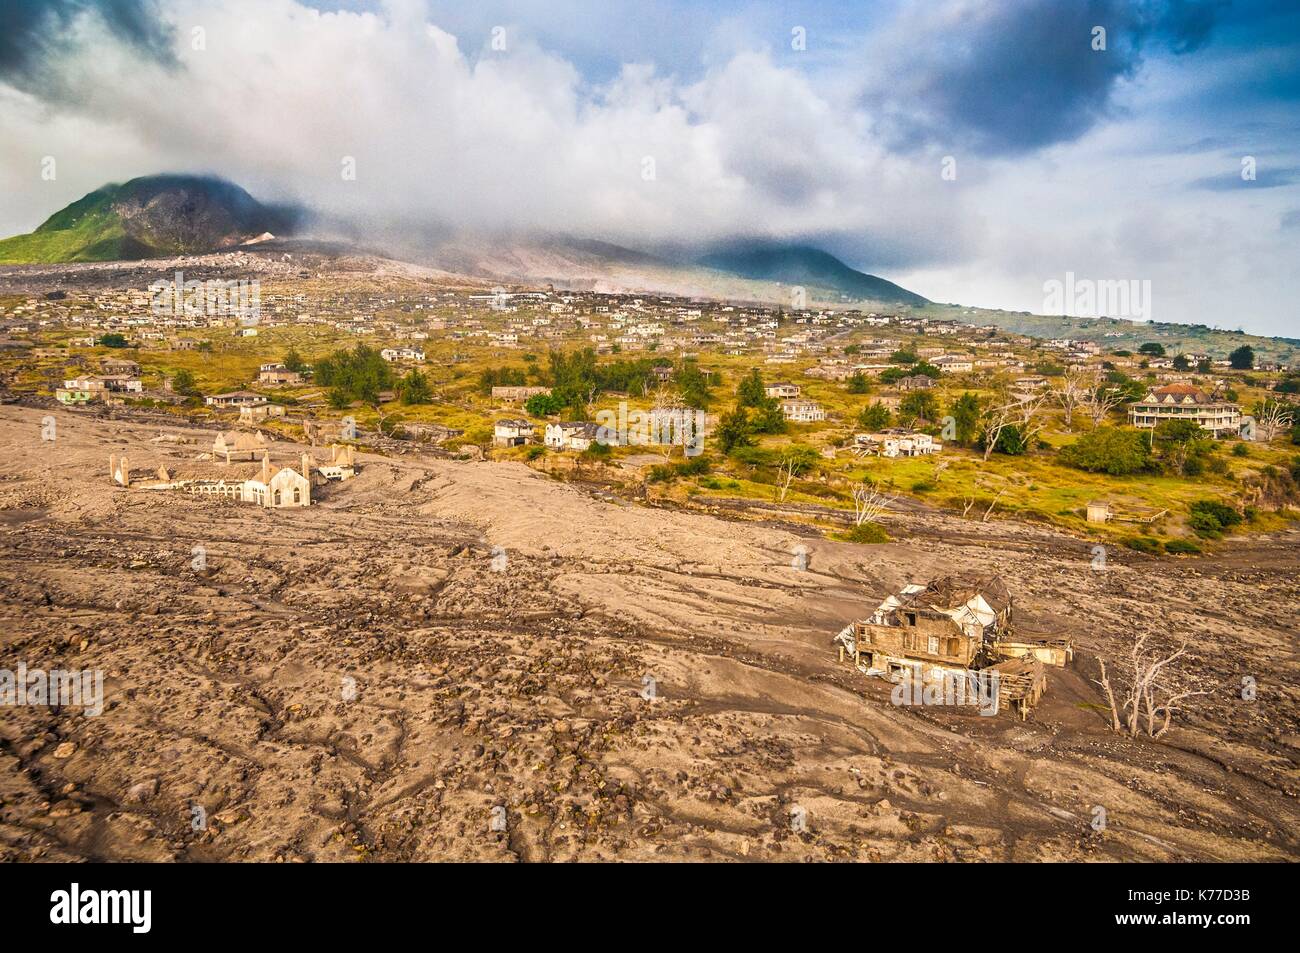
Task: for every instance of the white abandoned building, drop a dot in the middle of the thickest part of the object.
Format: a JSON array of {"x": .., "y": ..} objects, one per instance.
[
  {"x": 256, "y": 413},
  {"x": 802, "y": 411},
  {"x": 513, "y": 395},
  {"x": 948, "y": 628},
  {"x": 512, "y": 432},
  {"x": 263, "y": 483},
  {"x": 572, "y": 435},
  {"x": 240, "y": 445},
  {"x": 897, "y": 442}
]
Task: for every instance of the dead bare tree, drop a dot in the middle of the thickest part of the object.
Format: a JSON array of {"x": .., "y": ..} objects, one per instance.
[
  {"x": 868, "y": 504},
  {"x": 785, "y": 473},
  {"x": 996, "y": 420},
  {"x": 1071, "y": 393},
  {"x": 666, "y": 414},
  {"x": 1272, "y": 417},
  {"x": 1021, "y": 414},
  {"x": 1145, "y": 694},
  {"x": 1027, "y": 420},
  {"x": 1099, "y": 402}
]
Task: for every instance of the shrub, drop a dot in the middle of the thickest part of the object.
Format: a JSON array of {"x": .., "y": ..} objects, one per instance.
[
  {"x": 694, "y": 466},
  {"x": 712, "y": 483},
  {"x": 1205, "y": 525},
  {"x": 1185, "y": 546},
  {"x": 535, "y": 451},
  {"x": 1143, "y": 544},
  {"x": 923, "y": 486},
  {"x": 1224, "y": 514},
  {"x": 1240, "y": 450},
  {"x": 868, "y": 533}
]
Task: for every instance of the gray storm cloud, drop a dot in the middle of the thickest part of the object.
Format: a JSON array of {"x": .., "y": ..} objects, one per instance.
[
  {"x": 457, "y": 132},
  {"x": 1062, "y": 162}
]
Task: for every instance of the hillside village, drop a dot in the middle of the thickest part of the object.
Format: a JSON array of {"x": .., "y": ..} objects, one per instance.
[{"x": 846, "y": 411}]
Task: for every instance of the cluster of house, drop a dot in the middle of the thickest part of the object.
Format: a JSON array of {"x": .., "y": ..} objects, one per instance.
[
  {"x": 118, "y": 377},
  {"x": 949, "y": 628},
  {"x": 793, "y": 408},
  {"x": 239, "y": 468}
]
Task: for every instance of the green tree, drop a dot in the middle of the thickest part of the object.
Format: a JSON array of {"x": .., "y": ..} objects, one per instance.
[
  {"x": 293, "y": 361},
  {"x": 1243, "y": 358},
  {"x": 919, "y": 404},
  {"x": 693, "y": 384},
  {"x": 501, "y": 377},
  {"x": 874, "y": 417},
  {"x": 113, "y": 340},
  {"x": 1153, "y": 349},
  {"x": 768, "y": 418},
  {"x": 858, "y": 383},
  {"x": 1182, "y": 363},
  {"x": 1011, "y": 441},
  {"x": 734, "y": 431},
  {"x": 414, "y": 389},
  {"x": 750, "y": 392},
  {"x": 1112, "y": 450},
  {"x": 359, "y": 374},
  {"x": 1180, "y": 444},
  {"x": 543, "y": 405},
  {"x": 965, "y": 413},
  {"x": 183, "y": 383}
]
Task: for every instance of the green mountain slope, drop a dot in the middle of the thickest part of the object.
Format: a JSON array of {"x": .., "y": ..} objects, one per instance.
[
  {"x": 809, "y": 267},
  {"x": 148, "y": 217}
]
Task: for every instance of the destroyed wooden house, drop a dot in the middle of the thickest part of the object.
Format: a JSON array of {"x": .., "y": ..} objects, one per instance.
[{"x": 953, "y": 626}]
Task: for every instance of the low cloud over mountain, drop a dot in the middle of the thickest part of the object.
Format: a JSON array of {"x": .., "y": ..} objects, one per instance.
[{"x": 408, "y": 119}]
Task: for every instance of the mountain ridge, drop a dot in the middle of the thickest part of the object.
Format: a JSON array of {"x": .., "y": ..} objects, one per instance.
[
  {"x": 148, "y": 217},
  {"x": 808, "y": 267}
]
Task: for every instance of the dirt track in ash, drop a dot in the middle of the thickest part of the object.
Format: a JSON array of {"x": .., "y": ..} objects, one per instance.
[{"x": 474, "y": 690}]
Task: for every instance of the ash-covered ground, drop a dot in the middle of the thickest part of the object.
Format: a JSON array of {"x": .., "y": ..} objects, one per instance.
[{"x": 441, "y": 649}]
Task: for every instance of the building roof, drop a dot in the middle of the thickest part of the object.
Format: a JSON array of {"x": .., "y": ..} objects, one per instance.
[
  {"x": 966, "y": 598},
  {"x": 240, "y": 440},
  {"x": 1180, "y": 392}
]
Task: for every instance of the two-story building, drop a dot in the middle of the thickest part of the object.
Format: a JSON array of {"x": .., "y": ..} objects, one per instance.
[
  {"x": 511, "y": 432},
  {"x": 803, "y": 411},
  {"x": 1186, "y": 402}
]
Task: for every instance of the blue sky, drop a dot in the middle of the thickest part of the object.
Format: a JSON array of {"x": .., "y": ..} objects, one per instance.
[{"x": 1116, "y": 163}]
